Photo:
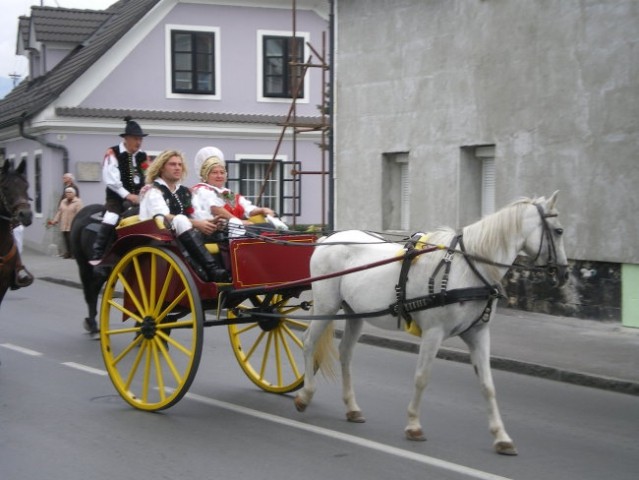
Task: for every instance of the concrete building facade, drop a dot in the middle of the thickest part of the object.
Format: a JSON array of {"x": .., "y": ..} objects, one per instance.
[{"x": 446, "y": 110}]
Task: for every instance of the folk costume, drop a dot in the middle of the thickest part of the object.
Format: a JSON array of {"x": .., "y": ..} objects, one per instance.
[
  {"x": 158, "y": 199},
  {"x": 123, "y": 173},
  {"x": 206, "y": 196}
]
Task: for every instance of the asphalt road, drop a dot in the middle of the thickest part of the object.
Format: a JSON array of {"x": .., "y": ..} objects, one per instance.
[{"x": 60, "y": 417}]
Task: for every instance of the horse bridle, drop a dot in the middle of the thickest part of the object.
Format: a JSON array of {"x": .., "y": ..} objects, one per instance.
[
  {"x": 551, "y": 267},
  {"x": 10, "y": 209}
]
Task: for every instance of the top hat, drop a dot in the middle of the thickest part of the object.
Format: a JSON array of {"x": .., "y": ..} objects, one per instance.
[{"x": 132, "y": 129}]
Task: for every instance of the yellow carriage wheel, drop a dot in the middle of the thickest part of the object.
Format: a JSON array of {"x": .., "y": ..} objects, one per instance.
[
  {"x": 151, "y": 325},
  {"x": 270, "y": 351}
]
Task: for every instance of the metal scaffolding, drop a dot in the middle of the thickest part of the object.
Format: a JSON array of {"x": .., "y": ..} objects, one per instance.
[{"x": 297, "y": 127}]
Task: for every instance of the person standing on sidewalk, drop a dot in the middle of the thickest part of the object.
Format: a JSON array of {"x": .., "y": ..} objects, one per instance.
[
  {"x": 123, "y": 171},
  {"x": 68, "y": 209},
  {"x": 68, "y": 180}
]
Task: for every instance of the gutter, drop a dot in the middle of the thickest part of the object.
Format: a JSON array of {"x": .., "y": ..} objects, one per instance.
[{"x": 56, "y": 146}]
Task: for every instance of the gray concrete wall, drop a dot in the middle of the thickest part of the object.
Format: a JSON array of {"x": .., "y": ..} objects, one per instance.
[{"x": 553, "y": 84}]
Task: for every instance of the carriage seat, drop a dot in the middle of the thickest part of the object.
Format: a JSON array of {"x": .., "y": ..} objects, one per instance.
[
  {"x": 133, "y": 219},
  {"x": 128, "y": 221},
  {"x": 213, "y": 248}
]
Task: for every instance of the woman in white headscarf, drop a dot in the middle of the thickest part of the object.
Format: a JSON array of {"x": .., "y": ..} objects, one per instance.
[{"x": 212, "y": 198}]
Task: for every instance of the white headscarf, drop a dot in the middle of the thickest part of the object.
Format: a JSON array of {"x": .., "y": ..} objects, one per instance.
[{"x": 204, "y": 154}]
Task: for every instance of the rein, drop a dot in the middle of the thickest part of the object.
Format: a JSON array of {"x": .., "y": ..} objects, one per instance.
[
  {"x": 4, "y": 259},
  {"x": 402, "y": 307}
]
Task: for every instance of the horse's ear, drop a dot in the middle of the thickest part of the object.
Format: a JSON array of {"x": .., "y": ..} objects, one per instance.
[
  {"x": 552, "y": 200},
  {"x": 22, "y": 167}
]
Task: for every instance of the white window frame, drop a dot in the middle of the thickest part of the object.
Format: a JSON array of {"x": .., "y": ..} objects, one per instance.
[
  {"x": 284, "y": 186},
  {"x": 260, "y": 66},
  {"x": 168, "y": 69}
]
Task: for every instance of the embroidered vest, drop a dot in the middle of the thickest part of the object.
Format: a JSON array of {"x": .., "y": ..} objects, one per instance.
[
  {"x": 179, "y": 202},
  {"x": 131, "y": 173},
  {"x": 233, "y": 206}
]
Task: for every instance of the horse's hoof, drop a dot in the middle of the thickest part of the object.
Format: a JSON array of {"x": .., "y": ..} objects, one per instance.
[
  {"x": 299, "y": 405},
  {"x": 506, "y": 448},
  {"x": 415, "y": 435},
  {"x": 355, "y": 417}
]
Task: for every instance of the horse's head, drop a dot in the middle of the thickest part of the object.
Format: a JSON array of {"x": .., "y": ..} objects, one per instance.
[
  {"x": 544, "y": 242},
  {"x": 14, "y": 197}
]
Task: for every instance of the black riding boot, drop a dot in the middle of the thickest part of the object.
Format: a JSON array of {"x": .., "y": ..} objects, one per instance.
[
  {"x": 195, "y": 248},
  {"x": 101, "y": 241}
]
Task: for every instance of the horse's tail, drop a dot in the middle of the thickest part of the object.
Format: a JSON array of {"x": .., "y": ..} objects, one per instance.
[{"x": 326, "y": 354}]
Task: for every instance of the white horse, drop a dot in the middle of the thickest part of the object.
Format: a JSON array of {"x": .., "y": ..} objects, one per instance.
[{"x": 477, "y": 263}]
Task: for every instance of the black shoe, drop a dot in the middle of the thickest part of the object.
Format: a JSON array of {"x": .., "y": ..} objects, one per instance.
[
  {"x": 205, "y": 262},
  {"x": 220, "y": 275}
]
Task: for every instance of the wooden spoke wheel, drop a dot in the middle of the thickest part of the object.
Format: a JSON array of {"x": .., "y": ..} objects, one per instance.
[
  {"x": 151, "y": 328},
  {"x": 270, "y": 350}
]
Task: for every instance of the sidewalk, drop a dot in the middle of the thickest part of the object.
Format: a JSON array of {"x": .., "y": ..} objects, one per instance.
[{"x": 585, "y": 352}]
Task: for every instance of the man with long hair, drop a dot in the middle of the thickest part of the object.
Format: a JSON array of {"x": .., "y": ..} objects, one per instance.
[{"x": 164, "y": 195}]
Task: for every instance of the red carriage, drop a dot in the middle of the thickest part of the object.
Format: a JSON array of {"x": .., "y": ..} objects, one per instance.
[{"x": 155, "y": 307}]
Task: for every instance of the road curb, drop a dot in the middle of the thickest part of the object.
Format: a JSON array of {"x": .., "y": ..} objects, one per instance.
[{"x": 514, "y": 366}]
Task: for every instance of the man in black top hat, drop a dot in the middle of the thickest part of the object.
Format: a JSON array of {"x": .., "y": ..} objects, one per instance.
[{"x": 123, "y": 171}]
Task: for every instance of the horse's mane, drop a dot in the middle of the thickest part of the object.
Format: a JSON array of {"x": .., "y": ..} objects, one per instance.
[
  {"x": 489, "y": 234},
  {"x": 494, "y": 231}
]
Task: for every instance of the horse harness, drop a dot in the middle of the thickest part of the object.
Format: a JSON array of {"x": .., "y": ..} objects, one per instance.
[{"x": 402, "y": 307}]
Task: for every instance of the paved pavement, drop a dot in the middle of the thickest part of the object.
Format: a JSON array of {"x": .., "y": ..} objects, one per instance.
[{"x": 585, "y": 352}]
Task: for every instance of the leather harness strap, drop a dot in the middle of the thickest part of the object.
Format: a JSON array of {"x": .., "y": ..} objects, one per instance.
[
  {"x": 6, "y": 258},
  {"x": 402, "y": 307}
]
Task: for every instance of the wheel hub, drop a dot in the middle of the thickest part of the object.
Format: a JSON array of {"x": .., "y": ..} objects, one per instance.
[
  {"x": 148, "y": 327},
  {"x": 267, "y": 323}
]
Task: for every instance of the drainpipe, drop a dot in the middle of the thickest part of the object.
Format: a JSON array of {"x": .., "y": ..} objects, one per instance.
[
  {"x": 62, "y": 148},
  {"x": 331, "y": 109}
]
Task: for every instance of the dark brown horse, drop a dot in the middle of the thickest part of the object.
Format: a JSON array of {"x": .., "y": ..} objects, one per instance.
[
  {"x": 14, "y": 209},
  {"x": 83, "y": 232}
]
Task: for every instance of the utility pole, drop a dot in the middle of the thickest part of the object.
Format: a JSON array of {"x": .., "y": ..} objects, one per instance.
[{"x": 15, "y": 77}]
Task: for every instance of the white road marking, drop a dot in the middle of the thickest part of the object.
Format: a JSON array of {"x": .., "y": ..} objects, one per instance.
[
  {"x": 344, "y": 437},
  {"x": 16, "y": 348},
  {"x": 85, "y": 368}
]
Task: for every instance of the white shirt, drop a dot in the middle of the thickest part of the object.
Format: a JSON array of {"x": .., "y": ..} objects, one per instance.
[
  {"x": 111, "y": 172},
  {"x": 206, "y": 196},
  {"x": 152, "y": 201}
]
